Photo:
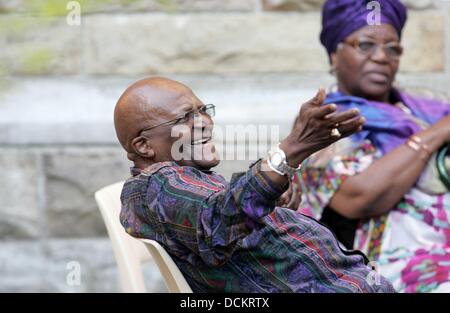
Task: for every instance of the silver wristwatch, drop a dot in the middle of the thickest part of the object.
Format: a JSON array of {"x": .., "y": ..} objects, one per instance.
[{"x": 278, "y": 163}]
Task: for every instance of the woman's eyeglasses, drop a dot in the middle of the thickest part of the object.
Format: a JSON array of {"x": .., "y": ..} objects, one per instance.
[
  {"x": 208, "y": 109},
  {"x": 368, "y": 47}
]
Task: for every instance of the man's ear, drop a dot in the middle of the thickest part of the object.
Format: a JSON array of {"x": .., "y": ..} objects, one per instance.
[{"x": 143, "y": 148}]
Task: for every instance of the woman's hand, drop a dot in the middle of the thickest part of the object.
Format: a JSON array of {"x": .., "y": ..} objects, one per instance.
[
  {"x": 291, "y": 198},
  {"x": 313, "y": 128},
  {"x": 442, "y": 129}
]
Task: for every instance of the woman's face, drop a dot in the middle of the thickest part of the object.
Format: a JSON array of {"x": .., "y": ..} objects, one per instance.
[{"x": 365, "y": 72}]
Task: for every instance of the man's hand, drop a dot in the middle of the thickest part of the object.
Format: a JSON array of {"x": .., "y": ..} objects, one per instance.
[
  {"x": 313, "y": 127},
  {"x": 312, "y": 132}
]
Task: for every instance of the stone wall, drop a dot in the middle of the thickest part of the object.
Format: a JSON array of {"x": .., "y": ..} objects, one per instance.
[{"x": 59, "y": 85}]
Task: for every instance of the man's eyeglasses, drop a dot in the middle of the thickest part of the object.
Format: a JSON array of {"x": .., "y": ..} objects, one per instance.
[
  {"x": 368, "y": 47},
  {"x": 208, "y": 109}
]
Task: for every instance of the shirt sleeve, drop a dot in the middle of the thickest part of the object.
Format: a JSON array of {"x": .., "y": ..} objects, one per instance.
[
  {"x": 198, "y": 218},
  {"x": 324, "y": 172}
]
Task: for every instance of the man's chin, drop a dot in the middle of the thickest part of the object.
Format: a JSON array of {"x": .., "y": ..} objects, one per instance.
[
  {"x": 205, "y": 164},
  {"x": 204, "y": 156}
]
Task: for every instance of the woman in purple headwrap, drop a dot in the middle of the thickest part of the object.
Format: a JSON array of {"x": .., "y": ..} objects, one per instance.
[{"x": 379, "y": 189}]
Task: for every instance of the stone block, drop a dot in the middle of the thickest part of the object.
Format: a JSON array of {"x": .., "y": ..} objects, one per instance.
[
  {"x": 39, "y": 45},
  {"x": 73, "y": 176},
  {"x": 20, "y": 195},
  {"x": 204, "y": 43}
]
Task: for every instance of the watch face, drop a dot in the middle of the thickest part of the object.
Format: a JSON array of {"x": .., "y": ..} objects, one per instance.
[{"x": 276, "y": 159}]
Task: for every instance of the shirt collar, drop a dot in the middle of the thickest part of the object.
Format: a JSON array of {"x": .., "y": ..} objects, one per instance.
[{"x": 134, "y": 170}]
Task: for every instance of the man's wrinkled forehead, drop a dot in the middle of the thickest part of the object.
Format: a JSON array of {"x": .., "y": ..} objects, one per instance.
[
  {"x": 189, "y": 101},
  {"x": 176, "y": 97}
]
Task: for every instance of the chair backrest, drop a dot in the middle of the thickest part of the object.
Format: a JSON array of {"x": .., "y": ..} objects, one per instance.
[
  {"x": 173, "y": 278},
  {"x": 131, "y": 252}
]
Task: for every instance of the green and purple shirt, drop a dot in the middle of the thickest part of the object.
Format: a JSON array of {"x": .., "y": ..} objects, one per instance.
[{"x": 231, "y": 237}]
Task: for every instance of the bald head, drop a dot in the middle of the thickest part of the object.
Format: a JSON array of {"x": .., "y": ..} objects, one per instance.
[
  {"x": 145, "y": 103},
  {"x": 143, "y": 117}
]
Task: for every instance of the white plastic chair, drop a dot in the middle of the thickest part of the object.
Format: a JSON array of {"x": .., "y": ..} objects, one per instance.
[
  {"x": 130, "y": 252},
  {"x": 173, "y": 278}
]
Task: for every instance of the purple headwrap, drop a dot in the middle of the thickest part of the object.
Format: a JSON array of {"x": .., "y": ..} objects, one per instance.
[{"x": 340, "y": 18}]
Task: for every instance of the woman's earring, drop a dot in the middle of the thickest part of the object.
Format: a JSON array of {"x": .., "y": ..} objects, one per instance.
[
  {"x": 332, "y": 70},
  {"x": 333, "y": 88}
]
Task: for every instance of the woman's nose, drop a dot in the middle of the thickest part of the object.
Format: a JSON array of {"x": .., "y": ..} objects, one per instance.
[{"x": 380, "y": 55}]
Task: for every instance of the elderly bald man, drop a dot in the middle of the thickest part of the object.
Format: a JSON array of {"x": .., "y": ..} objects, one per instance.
[{"x": 230, "y": 236}]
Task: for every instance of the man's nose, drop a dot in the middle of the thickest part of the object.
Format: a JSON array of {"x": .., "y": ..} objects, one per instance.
[{"x": 202, "y": 120}]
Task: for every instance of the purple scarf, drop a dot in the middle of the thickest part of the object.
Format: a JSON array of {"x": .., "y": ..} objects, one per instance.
[{"x": 388, "y": 126}]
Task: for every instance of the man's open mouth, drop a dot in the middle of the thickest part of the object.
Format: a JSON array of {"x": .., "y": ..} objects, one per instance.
[{"x": 201, "y": 141}]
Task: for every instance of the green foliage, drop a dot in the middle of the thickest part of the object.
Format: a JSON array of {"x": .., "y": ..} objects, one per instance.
[{"x": 37, "y": 60}]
